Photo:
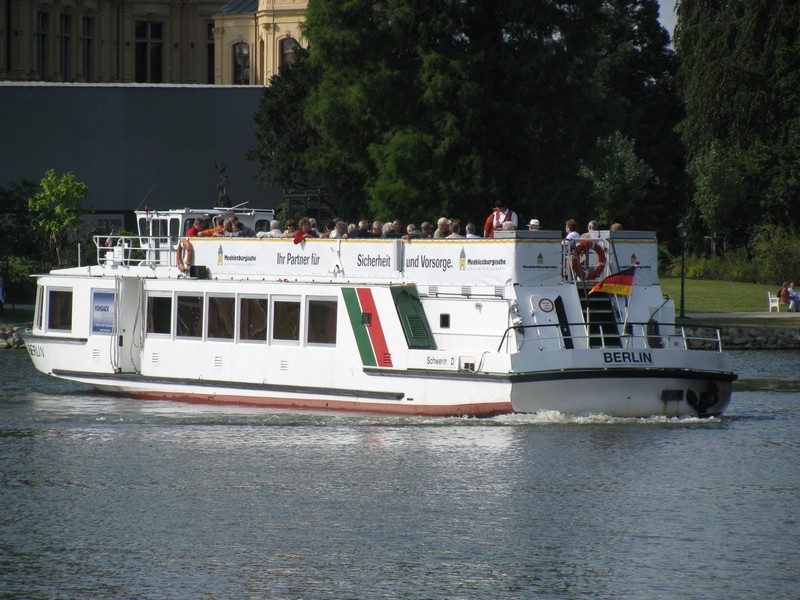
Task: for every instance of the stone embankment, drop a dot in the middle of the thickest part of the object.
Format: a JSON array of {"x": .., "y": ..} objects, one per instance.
[
  {"x": 10, "y": 337},
  {"x": 747, "y": 338}
]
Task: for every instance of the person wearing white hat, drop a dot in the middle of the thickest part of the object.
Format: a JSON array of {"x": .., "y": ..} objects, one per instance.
[{"x": 533, "y": 225}]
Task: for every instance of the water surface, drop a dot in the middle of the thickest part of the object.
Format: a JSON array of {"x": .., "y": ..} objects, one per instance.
[{"x": 102, "y": 497}]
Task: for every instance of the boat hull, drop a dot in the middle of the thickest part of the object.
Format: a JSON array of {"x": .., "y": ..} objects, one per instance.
[
  {"x": 580, "y": 393},
  {"x": 627, "y": 394}
]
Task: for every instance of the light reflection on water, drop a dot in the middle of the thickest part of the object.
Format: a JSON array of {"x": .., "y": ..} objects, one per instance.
[{"x": 108, "y": 497}]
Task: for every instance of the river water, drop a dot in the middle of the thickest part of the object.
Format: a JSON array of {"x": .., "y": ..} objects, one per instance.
[{"x": 102, "y": 497}]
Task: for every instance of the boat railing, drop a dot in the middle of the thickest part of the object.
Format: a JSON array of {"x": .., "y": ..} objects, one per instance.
[
  {"x": 581, "y": 261},
  {"x": 635, "y": 336},
  {"x": 117, "y": 250}
]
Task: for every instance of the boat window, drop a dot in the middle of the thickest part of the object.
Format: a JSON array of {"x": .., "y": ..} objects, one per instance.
[
  {"x": 286, "y": 320},
  {"x": 321, "y": 321},
  {"x": 159, "y": 315},
  {"x": 444, "y": 321},
  {"x": 263, "y": 225},
  {"x": 39, "y": 313},
  {"x": 221, "y": 317},
  {"x": 59, "y": 310},
  {"x": 190, "y": 317},
  {"x": 253, "y": 319}
]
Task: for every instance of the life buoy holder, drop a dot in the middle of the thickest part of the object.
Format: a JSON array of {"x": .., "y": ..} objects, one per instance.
[
  {"x": 184, "y": 261},
  {"x": 583, "y": 272}
]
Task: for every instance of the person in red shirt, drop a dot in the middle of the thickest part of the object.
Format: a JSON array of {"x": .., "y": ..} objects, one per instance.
[
  {"x": 488, "y": 226},
  {"x": 194, "y": 230},
  {"x": 304, "y": 231},
  {"x": 500, "y": 215}
]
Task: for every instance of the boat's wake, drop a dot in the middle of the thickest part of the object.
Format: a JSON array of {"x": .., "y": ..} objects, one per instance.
[{"x": 115, "y": 409}]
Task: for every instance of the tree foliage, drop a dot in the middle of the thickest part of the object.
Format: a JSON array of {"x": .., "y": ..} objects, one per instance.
[
  {"x": 57, "y": 210},
  {"x": 739, "y": 78},
  {"x": 283, "y": 134},
  {"x": 438, "y": 107},
  {"x": 15, "y": 235},
  {"x": 619, "y": 178}
]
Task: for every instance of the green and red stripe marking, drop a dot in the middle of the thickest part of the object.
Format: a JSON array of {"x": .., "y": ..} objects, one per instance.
[{"x": 370, "y": 338}]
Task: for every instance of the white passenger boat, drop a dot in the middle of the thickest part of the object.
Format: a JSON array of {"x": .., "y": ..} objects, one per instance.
[{"x": 418, "y": 327}]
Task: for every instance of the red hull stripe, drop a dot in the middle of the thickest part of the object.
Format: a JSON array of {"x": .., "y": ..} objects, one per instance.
[
  {"x": 375, "y": 330},
  {"x": 483, "y": 409}
]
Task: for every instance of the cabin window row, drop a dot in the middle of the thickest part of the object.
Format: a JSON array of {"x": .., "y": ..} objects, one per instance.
[
  {"x": 221, "y": 321},
  {"x": 263, "y": 319}
]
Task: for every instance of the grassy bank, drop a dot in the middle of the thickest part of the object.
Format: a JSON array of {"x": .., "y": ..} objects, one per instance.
[{"x": 710, "y": 296}]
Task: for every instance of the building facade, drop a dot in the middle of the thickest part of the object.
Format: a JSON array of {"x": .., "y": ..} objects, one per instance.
[{"x": 241, "y": 42}]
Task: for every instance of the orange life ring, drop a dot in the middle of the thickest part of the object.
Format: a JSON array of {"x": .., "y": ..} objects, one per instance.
[
  {"x": 184, "y": 262},
  {"x": 601, "y": 257}
]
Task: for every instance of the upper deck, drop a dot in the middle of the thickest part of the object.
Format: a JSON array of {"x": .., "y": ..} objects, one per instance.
[{"x": 524, "y": 258}]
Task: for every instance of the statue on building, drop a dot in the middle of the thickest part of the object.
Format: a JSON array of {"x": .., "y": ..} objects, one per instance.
[{"x": 223, "y": 201}]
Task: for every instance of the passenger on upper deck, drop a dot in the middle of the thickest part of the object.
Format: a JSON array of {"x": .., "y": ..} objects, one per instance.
[
  {"x": 305, "y": 231},
  {"x": 443, "y": 229},
  {"x": 455, "y": 227},
  {"x": 247, "y": 231},
  {"x": 291, "y": 229},
  {"x": 218, "y": 227},
  {"x": 571, "y": 227},
  {"x": 274, "y": 230},
  {"x": 592, "y": 230},
  {"x": 470, "y": 229},
  {"x": 199, "y": 225},
  {"x": 363, "y": 231},
  {"x": 396, "y": 230},
  {"x": 339, "y": 231},
  {"x": 426, "y": 230},
  {"x": 239, "y": 230},
  {"x": 227, "y": 229},
  {"x": 500, "y": 215},
  {"x": 533, "y": 225}
]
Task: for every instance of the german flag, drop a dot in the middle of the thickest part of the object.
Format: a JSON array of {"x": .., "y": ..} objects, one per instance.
[{"x": 619, "y": 283}]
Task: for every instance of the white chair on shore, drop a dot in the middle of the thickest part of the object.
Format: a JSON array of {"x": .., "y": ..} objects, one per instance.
[{"x": 774, "y": 301}]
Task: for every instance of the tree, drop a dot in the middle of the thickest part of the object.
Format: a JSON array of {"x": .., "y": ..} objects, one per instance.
[
  {"x": 725, "y": 180},
  {"x": 619, "y": 178},
  {"x": 283, "y": 134},
  {"x": 425, "y": 108},
  {"x": 15, "y": 237},
  {"x": 634, "y": 70},
  {"x": 57, "y": 210},
  {"x": 740, "y": 61}
]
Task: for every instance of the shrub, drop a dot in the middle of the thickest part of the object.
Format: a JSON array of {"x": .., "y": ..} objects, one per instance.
[{"x": 772, "y": 258}]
